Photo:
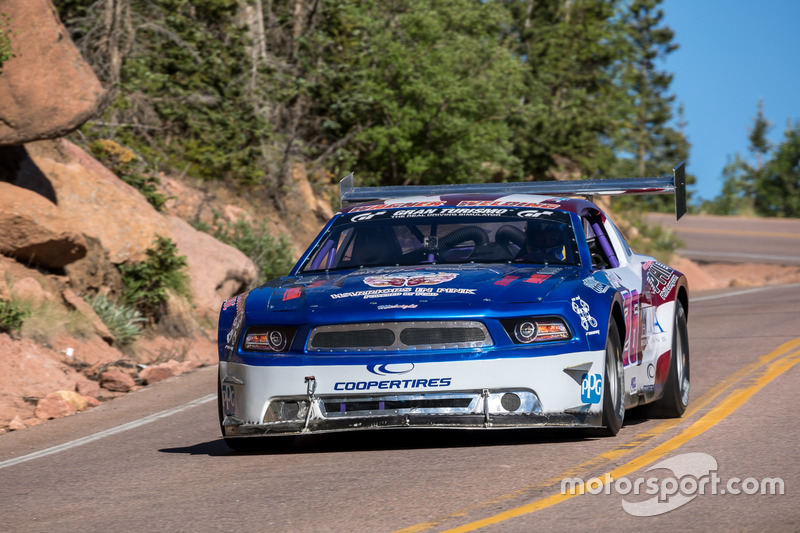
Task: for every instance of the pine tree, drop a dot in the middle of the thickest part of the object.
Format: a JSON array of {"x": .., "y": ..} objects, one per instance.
[
  {"x": 646, "y": 144},
  {"x": 568, "y": 51}
]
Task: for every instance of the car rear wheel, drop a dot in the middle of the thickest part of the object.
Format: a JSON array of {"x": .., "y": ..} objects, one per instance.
[
  {"x": 613, "y": 384},
  {"x": 676, "y": 390}
]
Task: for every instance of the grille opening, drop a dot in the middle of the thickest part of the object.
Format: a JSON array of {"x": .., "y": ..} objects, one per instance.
[
  {"x": 363, "y": 338},
  {"x": 399, "y": 336},
  {"x": 387, "y": 405},
  {"x": 416, "y": 336}
]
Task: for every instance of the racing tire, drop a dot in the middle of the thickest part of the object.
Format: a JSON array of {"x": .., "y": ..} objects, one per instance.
[
  {"x": 613, "y": 384},
  {"x": 250, "y": 444},
  {"x": 675, "y": 399}
]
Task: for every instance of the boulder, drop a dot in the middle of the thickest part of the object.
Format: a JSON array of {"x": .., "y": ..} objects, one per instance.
[
  {"x": 32, "y": 229},
  {"x": 96, "y": 203},
  {"x": 47, "y": 90},
  {"x": 216, "y": 271},
  {"x": 155, "y": 373},
  {"x": 95, "y": 273},
  {"x": 29, "y": 288},
  {"x": 116, "y": 380},
  {"x": 63, "y": 403}
]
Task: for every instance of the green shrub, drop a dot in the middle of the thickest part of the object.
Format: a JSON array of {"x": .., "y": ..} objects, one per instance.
[
  {"x": 124, "y": 322},
  {"x": 654, "y": 240},
  {"x": 11, "y": 316},
  {"x": 147, "y": 283},
  {"x": 129, "y": 168}
]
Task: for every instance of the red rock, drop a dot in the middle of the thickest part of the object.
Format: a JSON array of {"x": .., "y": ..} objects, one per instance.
[
  {"x": 47, "y": 90},
  {"x": 117, "y": 381},
  {"x": 54, "y": 405},
  {"x": 94, "y": 202},
  {"x": 87, "y": 387},
  {"x": 16, "y": 424},
  {"x": 32, "y": 229},
  {"x": 216, "y": 271},
  {"x": 155, "y": 373}
]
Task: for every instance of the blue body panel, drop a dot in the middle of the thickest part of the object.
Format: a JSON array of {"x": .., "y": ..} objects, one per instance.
[{"x": 487, "y": 293}]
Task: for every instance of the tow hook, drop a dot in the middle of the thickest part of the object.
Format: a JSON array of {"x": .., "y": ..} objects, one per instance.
[
  {"x": 485, "y": 395},
  {"x": 311, "y": 388}
]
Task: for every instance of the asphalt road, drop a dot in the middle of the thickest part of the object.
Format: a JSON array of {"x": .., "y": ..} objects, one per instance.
[
  {"x": 153, "y": 460},
  {"x": 736, "y": 239}
]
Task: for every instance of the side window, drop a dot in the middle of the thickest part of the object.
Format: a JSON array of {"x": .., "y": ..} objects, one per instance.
[{"x": 622, "y": 240}]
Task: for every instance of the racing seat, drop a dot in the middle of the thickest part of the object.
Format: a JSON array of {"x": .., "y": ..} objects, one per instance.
[{"x": 371, "y": 247}]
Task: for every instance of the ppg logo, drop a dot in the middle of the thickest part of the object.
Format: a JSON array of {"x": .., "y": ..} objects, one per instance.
[
  {"x": 591, "y": 388},
  {"x": 228, "y": 399}
]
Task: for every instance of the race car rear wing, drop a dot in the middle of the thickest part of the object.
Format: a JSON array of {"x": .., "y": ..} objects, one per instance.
[{"x": 675, "y": 184}]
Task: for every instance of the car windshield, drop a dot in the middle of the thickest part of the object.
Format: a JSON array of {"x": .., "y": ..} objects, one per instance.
[{"x": 445, "y": 236}]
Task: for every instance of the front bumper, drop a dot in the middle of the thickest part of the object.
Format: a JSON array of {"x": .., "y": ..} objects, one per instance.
[{"x": 550, "y": 391}]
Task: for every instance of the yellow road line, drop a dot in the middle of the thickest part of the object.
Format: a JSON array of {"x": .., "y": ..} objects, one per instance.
[
  {"x": 624, "y": 448},
  {"x": 728, "y": 405}
]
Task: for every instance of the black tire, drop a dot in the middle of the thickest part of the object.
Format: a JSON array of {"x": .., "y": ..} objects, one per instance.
[
  {"x": 613, "y": 384},
  {"x": 250, "y": 444},
  {"x": 675, "y": 399}
]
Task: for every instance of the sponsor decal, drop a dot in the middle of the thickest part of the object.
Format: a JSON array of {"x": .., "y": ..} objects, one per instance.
[
  {"x": 596, "y": 286},
  {"x": 409, "y": 279},
  {"x": 366, "y": 216},
  {"x": 419, "y": 292},
  {"x": 614, "y": 280},
  {"x": 229, "y": 302},
  {"x": 315, "y": 284},
  {"x": 236, "y": 326},
  {"x": 538, "y": 278},
  {"x": 377, "y": 207},
  {"x": 581, "y": 308},
  {"x": 506, "y": 280},
  {"x": 507, "y": 203},
  {"x": 448, "y": 211},
  {"x": 291, "y": 294},
  {"x": 661, "y": 278},
  {"x": 651, "y": 371},
  {"x": 591, "y": 388},
  {"x": 228, "y": 398},
  {"x": 398, "y": 306},
  {"x": 530, "y": 214},
  {"x": 394, "y": 384},
  {"x": 550, "y": 270},
  {"x": 633, "y": 384},
  {"x": 390, "y": 369}
]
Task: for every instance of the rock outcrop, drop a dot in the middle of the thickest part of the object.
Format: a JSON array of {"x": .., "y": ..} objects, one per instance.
[
  {"x": 33, "y": 229},
  {"x": 47, "y": 89}
]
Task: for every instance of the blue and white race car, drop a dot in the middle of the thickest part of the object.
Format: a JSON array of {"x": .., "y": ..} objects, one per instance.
[{"x": 459, "y": 306}]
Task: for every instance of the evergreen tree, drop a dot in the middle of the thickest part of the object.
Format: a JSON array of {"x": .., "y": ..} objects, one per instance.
[
  {"x": 645, "y": 143},
  {"x": 771, "y": 187},
  {"x": 778, "y": 185},
  {"x": 568, "y": 49},
  {"x": 426, "y": 92}
]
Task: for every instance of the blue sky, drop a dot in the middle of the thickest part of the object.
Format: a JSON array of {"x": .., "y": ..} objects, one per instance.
[{"x": 732, "y": 52}]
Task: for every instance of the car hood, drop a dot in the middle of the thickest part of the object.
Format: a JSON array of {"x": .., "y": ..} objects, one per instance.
[{"x": 438, "y": 289}]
